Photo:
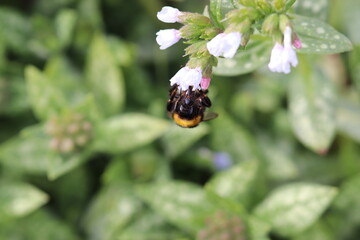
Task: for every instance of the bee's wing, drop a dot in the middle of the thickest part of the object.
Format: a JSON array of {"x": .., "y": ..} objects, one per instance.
[{"x": 209, "y": 115}]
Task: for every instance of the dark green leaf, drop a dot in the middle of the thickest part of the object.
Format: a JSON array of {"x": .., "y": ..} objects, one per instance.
[
  {"x": 128, "y": 131},
  {"x": 255, "y": 55},
  {"x": 319, "y": 37},
  {"x": 294, "y": 207}
]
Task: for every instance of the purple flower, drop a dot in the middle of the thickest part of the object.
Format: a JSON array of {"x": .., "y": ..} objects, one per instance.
[
  {"x": 222, "y": 160},
  {"x": 169, "y": 15},
  {"x": 224, "y": 44},
  {"x": 168, "y": 37},
  {"x": 186, "y": 77}
]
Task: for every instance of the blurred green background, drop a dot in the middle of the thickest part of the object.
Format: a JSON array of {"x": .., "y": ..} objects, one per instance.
[{"x": 88, "y": 152}]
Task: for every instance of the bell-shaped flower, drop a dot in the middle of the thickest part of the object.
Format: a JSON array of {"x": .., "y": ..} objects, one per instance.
[
  {"x": 169, "y": 15},
  {"x": 224, "y": 44},
  {"x": 168, "y": 37},
  {"x": 282, "y": 56},
  {"x": 186, "y": 77}
]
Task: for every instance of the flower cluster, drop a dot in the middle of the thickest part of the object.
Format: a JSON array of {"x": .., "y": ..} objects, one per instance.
[
  {"x": 209, "y": 40},
  {"x": 68, "y": 133},
  {"x": 221, "y": 226}
]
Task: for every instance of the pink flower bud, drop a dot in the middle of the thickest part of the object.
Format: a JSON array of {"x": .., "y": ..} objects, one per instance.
[
  {"x": 297, "y": 43},
  {"x": 205, "y": 82}
]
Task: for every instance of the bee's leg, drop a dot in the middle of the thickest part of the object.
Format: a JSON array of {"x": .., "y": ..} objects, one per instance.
[{"x": 206, "y": 101}]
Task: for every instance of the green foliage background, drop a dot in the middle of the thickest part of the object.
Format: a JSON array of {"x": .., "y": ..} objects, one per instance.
[{"x": 289, "y": 142}]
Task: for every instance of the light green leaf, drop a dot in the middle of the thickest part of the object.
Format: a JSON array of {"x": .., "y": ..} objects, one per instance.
[
  {"x": 319, "y": 37},
  {"x": 64, "y": 25},
  {"x": 18, "y": 199},
  {"x": 258, "y": 229},
  {"x": 255, "y": 55},
  {"x": 110, "y": 211},
  {"x": 348, "y": 119},
  {"x": 176, "y": 140},
  {"x": 46, "y": 99},
  {"x": 312, "y": 105},
  {"x": 279, "y": 158},
  {"x": 29, "y": 152},
  {"x": 183, "y": 204},
  {"x": 239, "y": 142},
  {"x": 317, "y": 9},
  {"x": 128, "y": 131},
  {"x": 104, "y": 77},
  {"x": 237, "y": 182},
  {"x": 294, "y": 207}
]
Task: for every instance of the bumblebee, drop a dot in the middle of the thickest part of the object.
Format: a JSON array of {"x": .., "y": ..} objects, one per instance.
[{"x": 187, "y": 107}]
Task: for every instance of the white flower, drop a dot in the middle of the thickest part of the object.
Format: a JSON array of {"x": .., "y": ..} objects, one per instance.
[
  {"x": 168, "y": 37},
  {"x": 169, "y": 15},
  {"x": 283, "y": 56},
  {"x": 224, "y": 44},
  {"x": 186, "y": 77}
]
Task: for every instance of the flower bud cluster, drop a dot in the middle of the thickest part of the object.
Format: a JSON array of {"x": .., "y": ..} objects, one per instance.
[
  {"x": 208, "y": 40},
  {"x": 68, "y": 133},
  {"x": 222, "y": 226}
]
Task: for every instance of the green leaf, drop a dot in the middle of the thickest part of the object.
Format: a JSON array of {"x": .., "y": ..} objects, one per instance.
[
  {"x": 38, "y": 225},
  {"x": 110, "y": 211},
  {"x": 294, "y": 207},
  {"x": 183, "y": 204},
  {"x": 312, "y": 105},
  {"x": 279, "y": 157},
  {"x": 176, "y": 140},
  {"x": 15, "y": 29},
  {"x": 319, "y": 37},
  {"x": 239, "y": 142},
  {"x": 319, "y": 231},
  {"x": 348, "y": 12},
  {"x": 316, "y": 9},
  {"x": 255, "y": 55},
  {"x": 46, "y": 99},
  {"x": 104, "y": 77},
  {"x": 150, "y": 226},
  {"x": 348, "y": 200},
  {"x": 29, "y": 152},
  {"x": 18, "y": 199},
  {"x": 64, "y": 25},
  {"x": 226, "y": 183},
  {"x": 348, "y": 119},
  {"x": 354, "y": 60},
  {"x": 258, "y": 229},
  {"x": 128, "y": 131}
]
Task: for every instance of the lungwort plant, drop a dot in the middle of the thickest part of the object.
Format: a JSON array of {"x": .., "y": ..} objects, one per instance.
[{"x": 87, "y": 150}]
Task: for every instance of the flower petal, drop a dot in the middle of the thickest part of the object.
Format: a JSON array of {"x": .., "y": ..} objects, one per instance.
[{"x": 169, "y": 14}]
